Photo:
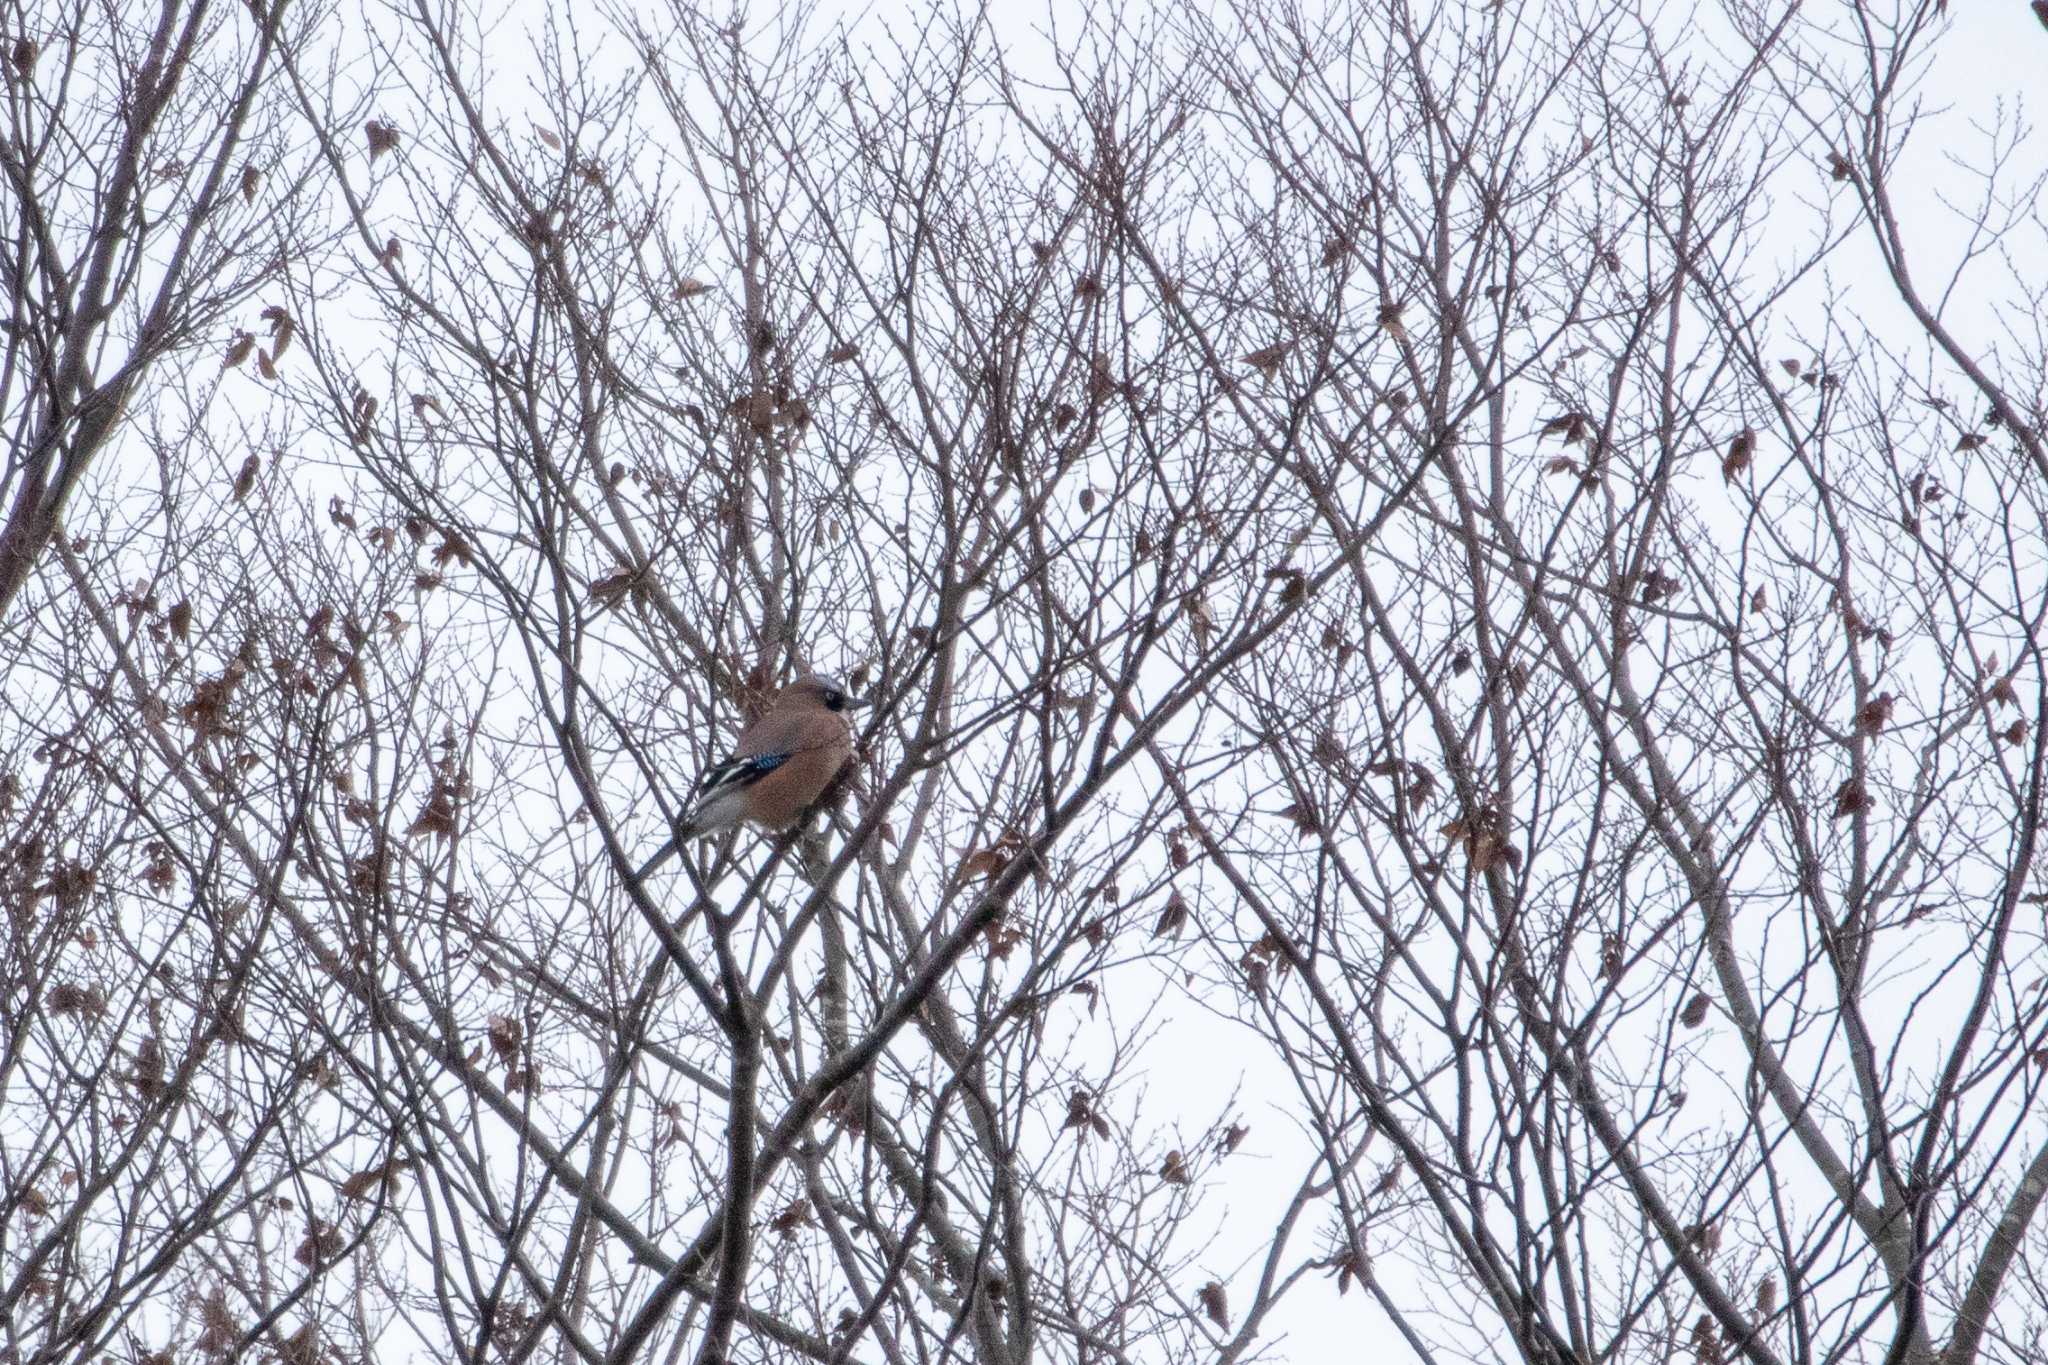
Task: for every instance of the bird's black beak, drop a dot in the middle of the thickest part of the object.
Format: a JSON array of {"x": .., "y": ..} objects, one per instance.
[{"x": 856, "y": 703}]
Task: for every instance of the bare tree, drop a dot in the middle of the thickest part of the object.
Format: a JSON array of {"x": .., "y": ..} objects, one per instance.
[
  {"x": 1366, "y": 555},
  {"x": 149, "y": 190},
  {"x": 1664, "y": 781},
  {"x": 151, "y": 1077}
]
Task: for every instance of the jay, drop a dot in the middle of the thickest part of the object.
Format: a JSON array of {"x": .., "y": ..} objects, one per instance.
[{"x": 781, "y": 765}]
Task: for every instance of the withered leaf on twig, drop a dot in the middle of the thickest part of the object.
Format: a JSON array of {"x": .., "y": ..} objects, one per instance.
[
  {"x": 1200, "y": 623},
  {"x": 1081, "y": 1114},
  {"x": 1851, "y": 798},
  {"x": 452, "y": 550},
  {"x": 282, "y": 329},
  {"x": 1740, "y": 452},
  {"x": 1352, "y": 1265},
  {"x": 1571, "y": 426},
  {"x": 2002, "y": 692},
  {"x": 1613, "y": 956},
  {"x": 1293, "y": 582},
  {"x": 301, "y": 1347},
  {"x": 361, "y": 1183},
  {"x": 1255, "y": 976},
  {"x": 987, "y": 862},
  {"x": 1172, "y": 918},
  {"x": 218, "y": 1332},
  {"x": 611, "y": 590},
  {"x": 504, "y": 1033},
  {"x": 71, "y": 998},
  {"x": 1695, "y": 1012},
  {"x": 382, "y": 137},
  {"x": 1266, "y": 360},
  {"x": 1706, "y": 1342},
  {"x": 1307, "y": 824},
  {"x": 323, "y": 1242},
  {"x": 796, "y": 1214},
  {"x": 437, "y": 816}
]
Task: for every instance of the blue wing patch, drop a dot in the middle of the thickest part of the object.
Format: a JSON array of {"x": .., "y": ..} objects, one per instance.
[{"x": 739, "y": 772}]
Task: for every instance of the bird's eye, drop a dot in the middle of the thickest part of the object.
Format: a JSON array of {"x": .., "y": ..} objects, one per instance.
[{"x": 835, "y": 700}]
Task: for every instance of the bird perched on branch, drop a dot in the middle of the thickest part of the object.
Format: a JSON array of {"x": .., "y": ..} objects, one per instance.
[{"x": 783, "y": 762}]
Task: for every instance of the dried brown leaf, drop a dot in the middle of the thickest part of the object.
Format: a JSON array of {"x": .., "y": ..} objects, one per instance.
[
  {"x": 1875, "y": 714},
  {"x": 382, "y": 137},
  {"x": 1851, "y": 798},
  {"x": 1740, "y": 452}
]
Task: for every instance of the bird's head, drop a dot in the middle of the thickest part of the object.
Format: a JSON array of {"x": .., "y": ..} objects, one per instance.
[{"x": 823, "y": 690}]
